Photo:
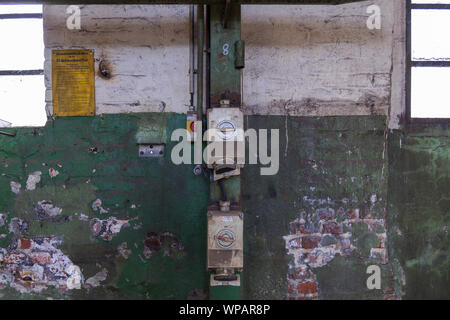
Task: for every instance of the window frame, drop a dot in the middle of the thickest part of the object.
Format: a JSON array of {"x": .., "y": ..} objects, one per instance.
[
  {"x": 9, "y": 16},
  {"x": 410, "y": 63},
  {"x": 21, "y": 72}
]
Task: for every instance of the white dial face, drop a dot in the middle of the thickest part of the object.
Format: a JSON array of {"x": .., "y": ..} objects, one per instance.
[
  {"x": 225, "y": 238},
  {"x": 226, "y": 129}
]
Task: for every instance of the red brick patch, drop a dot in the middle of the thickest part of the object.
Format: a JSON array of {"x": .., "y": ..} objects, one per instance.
[
  {"x": 307, "y": 288},
  {"x": 25, "y": 243},
  {"x": 310, "y": 242},
  {"x": 41, "y": 257},
  {"x": 352, "y": 214},
  {"x": 300, "y": 274},
  {"x": 332, "y": 227},
  {"x": 14, "y": 258}
]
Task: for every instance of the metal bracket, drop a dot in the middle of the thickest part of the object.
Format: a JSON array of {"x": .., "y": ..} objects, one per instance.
[{"x": 151, "y": 150}]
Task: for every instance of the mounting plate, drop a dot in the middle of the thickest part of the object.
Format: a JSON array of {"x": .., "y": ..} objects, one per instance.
[{"x": 151, "y": 150}]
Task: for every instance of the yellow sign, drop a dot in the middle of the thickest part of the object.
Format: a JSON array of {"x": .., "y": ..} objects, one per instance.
[{"x": 73, "y": 83}]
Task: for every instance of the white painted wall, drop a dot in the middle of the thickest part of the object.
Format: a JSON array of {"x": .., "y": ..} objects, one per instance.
[
  {"x": 300, "y": 60},
  {"x": 147, "y": 46},
  {"x": 318, "y": 60}
]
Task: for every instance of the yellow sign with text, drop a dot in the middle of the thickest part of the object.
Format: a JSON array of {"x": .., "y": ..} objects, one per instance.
[{"x": 73, "y": 83}]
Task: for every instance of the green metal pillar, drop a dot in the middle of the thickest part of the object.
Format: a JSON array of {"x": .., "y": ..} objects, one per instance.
[
  {"x": 225, "y": 78},
  {"x": 225, "y": 84}
]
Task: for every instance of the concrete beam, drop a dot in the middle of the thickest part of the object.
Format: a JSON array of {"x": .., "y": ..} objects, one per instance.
[{"x": 87, "y": 2}]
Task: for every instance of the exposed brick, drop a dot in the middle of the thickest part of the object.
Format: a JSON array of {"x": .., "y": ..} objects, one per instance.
[
  {"x": 14, "y": 258},
  {"x": 299, "y": 228},
  {"x": 326, "y": 214},
  {"x": 294, "y": 227},
  {"x": 308, "y": 287},
  {"x": 295, "y": 243},
  {"x": 332, "y": 227},
  {"x": 308, "y": 298},
  {"x": 304, "y": 230},
  {"x": 352, "y": 214},
  {"x": 41, "y": 257},
  {"x": 366, "y": 214},
  {"x": 310, "y": 242},
  {"x": 301, "y": 274},
  {"x": 24, "y": 243},
  {"x": 341, "y": 213},
  {"x": 290, "y": 288},
  {"x": 345, "y": 244}
]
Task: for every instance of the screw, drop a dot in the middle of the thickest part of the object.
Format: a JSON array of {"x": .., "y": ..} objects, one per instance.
[{"x": 197, "y": 170}]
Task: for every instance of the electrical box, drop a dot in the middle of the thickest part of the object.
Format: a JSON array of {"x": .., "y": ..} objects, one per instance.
[
  {"x": 226, "y": 139},
  {"x": 225, "y": 240},
  {"x": 191, "y": 118}
]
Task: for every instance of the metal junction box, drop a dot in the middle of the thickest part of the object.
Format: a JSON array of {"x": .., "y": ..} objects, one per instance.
[
  {"x": 225, "y": 240},
  {"x": 229, "y": 131}
]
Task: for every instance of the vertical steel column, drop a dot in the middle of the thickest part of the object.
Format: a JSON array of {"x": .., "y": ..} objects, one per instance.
[{"x": 225, "y": 84}]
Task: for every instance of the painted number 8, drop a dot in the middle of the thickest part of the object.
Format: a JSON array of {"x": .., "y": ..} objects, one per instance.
[{"x": 226, "y": 48}]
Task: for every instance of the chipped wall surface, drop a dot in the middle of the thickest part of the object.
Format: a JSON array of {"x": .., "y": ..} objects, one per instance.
[
  {"x": 300, "y": 60},
  {"x": 110, "y": 224},
  {"x": 82, "y": 216},
  {"x": 314, "y": 229},
  {"x": 349, "y": 194},
  {"x": 419, "y": 206}
]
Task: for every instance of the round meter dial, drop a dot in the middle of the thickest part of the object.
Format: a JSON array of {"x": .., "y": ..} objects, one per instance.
[
  {"x": 225, "y": 238},
  {"x": 226, "y": 129}
]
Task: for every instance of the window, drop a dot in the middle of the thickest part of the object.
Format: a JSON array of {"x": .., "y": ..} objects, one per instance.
[
  {"x": 22, "y": 88},
  {"x": 428, "y": 47}
]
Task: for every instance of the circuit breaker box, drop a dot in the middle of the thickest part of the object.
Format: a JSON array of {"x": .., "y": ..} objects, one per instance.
[
  {"x": 226, "y": 136},
  {"x": 225, "y": 240},
  {"x": 229, "y": 129}
]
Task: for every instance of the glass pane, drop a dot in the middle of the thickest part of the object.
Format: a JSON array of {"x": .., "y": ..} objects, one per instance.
[
  {"x": 22, "y": 44},
  {"x": 22, "y": 100},
  {"x": 429, "y": 29},
  {"x": 16, "y": 8},
  {"x": 430, "y": 94}
]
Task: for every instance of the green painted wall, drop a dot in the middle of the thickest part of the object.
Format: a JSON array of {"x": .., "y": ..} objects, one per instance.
[
  {"x": 333, "y": 168},
  {"x": 419, "y": 211},
  {"x": 168, "y": 198},
  {"x": 335, "y": 163}
]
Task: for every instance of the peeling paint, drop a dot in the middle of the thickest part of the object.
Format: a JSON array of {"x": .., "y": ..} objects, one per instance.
[
  {"x": 32, "y": 265},
  {"x": 107, "y": 229},
  {"x": 123, "y": 250},
  {"x": 83, "y": 217},
  {"x": 316, "y": 239},
  {"x": 53, "y": 172},
  {"x": 97, "y": 206},
  {"x": 167, "y": 243},
  {"x": 15, "y": 187},
  {"x": 33, "y": 179},
  {"x": 120, "y": 176},
  {"x": 95, "y": 280},
  {"x": 48, "y": 209},
  {"x": 3, "y": 217},
  {"x": 17, "y": 225}
]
